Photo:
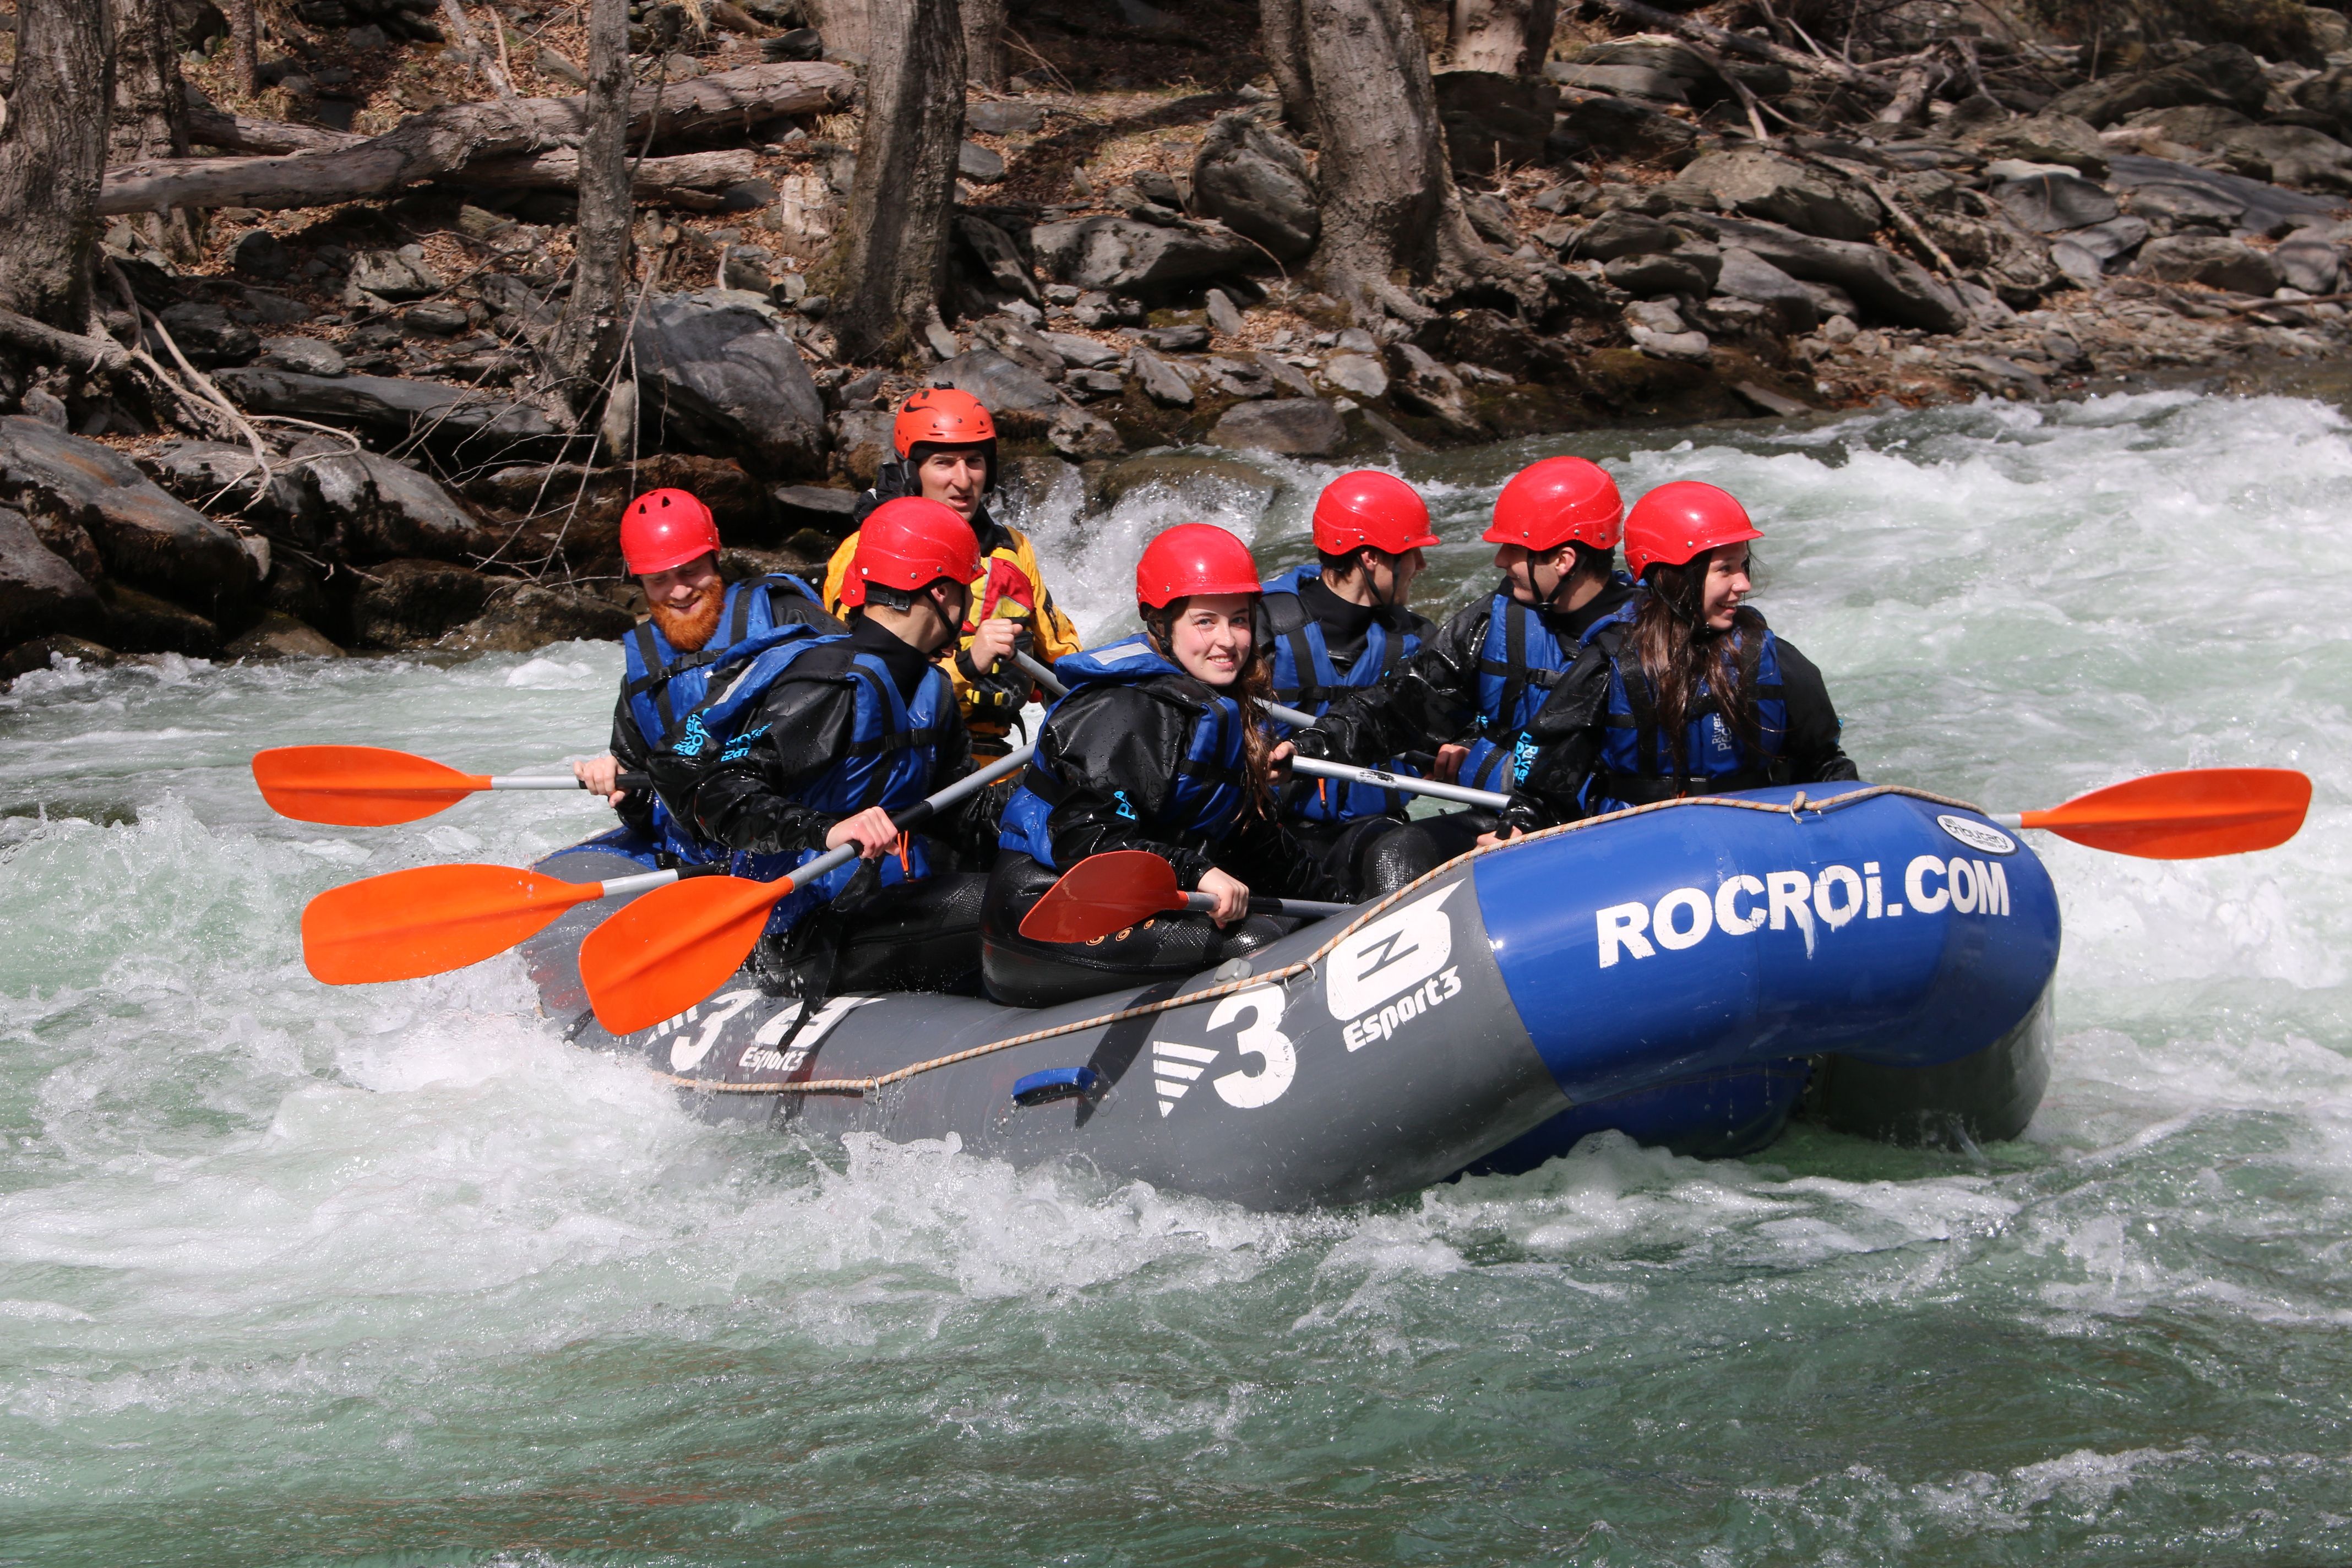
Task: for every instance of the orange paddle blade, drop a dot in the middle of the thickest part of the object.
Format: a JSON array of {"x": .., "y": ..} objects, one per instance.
[
  {"x": 1103, "y": 893},
  {"x": 358, "y": 786},
  {"x": 429, "y": 921},
  {"x": 670, "y": 949},
  {"x": 2185, "y": 815}
]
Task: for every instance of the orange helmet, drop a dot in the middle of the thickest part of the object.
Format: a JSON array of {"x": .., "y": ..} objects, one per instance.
[
  {"x": 941, "y": 416},
  {"x": 1193, "y": 558},
  {"x": 1677, "y": 522},
  {"x": 664, "y": 529},
  {"x": 1549, "y": 504},
  {"x": 910, "y": 544},
  {"x": 1369, "y": 507}
]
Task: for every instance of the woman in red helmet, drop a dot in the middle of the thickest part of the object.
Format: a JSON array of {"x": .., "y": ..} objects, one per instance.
[
  {"x": 808, "y": 743},
  {"x": 670, "y": 542},
  {"x": 1484, "y": 675},
  {"x": 1159, "y": 745},
  {"x": 946, "y": 444},
  {"x": 1687, "y": 690}
]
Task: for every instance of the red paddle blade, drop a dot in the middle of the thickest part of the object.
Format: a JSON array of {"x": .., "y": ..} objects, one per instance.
[
  {"x": 1103, "y": 893},
  {"x": 429, "y": 921},
  {"x": 2185, "y": 815},
  {"x": 358, "y": 786},
  {"x": 670, "y": 949}
]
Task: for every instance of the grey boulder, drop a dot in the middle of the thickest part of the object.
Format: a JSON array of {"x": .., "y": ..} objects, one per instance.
[
  {"x": 40, "y": 593},
  {"x": 1893, "y": 289},
  {"x": 1646, "y": 277},
  {"x": 1779, "y": 190},
  {"x": 2051, "y": 203},
  {"x": 1256, "y": 183},
  {"x": 2215, "y": 262},
  {"x": 2045, "y": 138},
  {"x": 2310, "y": 266},
  {"x": 1621, "y": 129},
  {"x": 1122, "y": 255},
  {"x": 1359, "y": 373},
  {"x": 996, "y": 380},
  {"x": 400, "y": 274},
  {"x": 1295, "y": 426},
  {"x": 208, "y": 334},
  {"x": 2221, "y": 73},
  {"x": 718, "y": 367},
  {"x": 532, "y": 616},
  {"x": 2294, "y": 155},
  {"x": 1621, "y": 233},
  {"x": 67, "y": 486},
  {"x": 1748, "y": 276},
  {"x": 462, "y": 419},
  {"x": 1159, "y": 380},
  {"x": 379, "y": 510},
  {"x": 212, "y": 474}
]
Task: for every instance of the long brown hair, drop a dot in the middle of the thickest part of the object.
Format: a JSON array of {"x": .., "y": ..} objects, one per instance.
[
  {"x": 1252, "y": 690},
  {"x": 1678, "y": 651}
]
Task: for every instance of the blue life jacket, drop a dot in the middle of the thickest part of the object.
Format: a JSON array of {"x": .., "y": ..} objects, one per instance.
[
  {"x": 1637, "y": 763},
  {"x": 890, "y": 761},
  {"x": 1517, "y": 665},
  {"x": 1207, "y": 798},
  {"x": 661, "y": 683},
  {"x": 1304, "y": 677}
]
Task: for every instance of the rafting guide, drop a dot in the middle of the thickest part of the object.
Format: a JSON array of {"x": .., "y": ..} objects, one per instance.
[{"x": 1672, "y": 904}]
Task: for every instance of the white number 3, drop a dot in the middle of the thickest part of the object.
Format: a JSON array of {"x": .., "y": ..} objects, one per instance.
[{"x": 1261, "y": 1036}]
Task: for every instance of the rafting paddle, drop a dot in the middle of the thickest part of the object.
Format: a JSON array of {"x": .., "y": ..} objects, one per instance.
[
  {"x": 678, "y": 944},
  {"x": 432, "y": 918},
  {"x": 2185, "y": 815},
  {"x": 1115, "y": 889},
  {"x": 369, "y": 786}
]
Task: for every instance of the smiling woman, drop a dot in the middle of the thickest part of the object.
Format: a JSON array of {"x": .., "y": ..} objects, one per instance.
[{"x": 396, "y": 1273}]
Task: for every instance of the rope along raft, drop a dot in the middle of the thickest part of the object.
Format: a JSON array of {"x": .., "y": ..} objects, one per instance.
[{"x": 1795, "y": 809}]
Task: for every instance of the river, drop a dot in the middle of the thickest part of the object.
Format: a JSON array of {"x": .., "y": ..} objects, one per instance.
[{"x": 392, "y": 1275}]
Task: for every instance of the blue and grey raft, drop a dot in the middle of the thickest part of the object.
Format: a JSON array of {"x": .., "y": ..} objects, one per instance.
[{"x": 1877, "y": 959}]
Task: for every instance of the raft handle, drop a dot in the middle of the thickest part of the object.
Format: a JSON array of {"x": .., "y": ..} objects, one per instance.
[{"x": 1053, "y": 1084}]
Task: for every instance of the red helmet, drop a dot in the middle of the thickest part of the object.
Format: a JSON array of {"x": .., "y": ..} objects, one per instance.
[
  {"x": 663, "y": 529},
  {"x": 941, "y": 416},
  {"x": 1549, "y": 504},
  {"x": 1193, "y": 558},
  {"x": 1675, "y": 523},
  {"x": 1371, "y": 508},
  {"x": 910, "y": 544}
]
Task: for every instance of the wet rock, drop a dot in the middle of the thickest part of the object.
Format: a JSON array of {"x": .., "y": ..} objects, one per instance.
[
  {"x": 211, "y": 474},
  {"x": 141, "y": 533},
  {"x": 1296, "y": 426},
  {"x": 280, "y": 635},
  {"x": 1204, "y": 484},
  {"x": 2185, "y": 205},
  {"x": 1082, "y": 437},
  {"x": 1647, "y": 276},
  {"x": 1658, "y": 329},
  {"x": 1225, "y": 316},
  {"x": 39, "y": 592},
  {"x": 206, "y": 334},
  {"x": 391, "y": 409},
  {"x": 401, "y": 274},
  {"x": 2045, "y": 138},
  {"x": 1360, "y": 374},
  {"x": 2208, "y": 259},
  {"x": 1160, "y": 381},
  {"x": 1004, "y": 117},
  {"x": 861, "y": 444},
  {"x": 378, "y": 509},
  {"x": 1186, "y": 338},
  {"x": 532, "y": 616},
  {"x": 996, "y": 380},
  {"x": 49, "y": 652},
  {"x": 1491, "y": 119},
  {"x": 996, "y": 257},
  {"x": 2048, "y": 204},
  {"x": 717, "y": 368},
  {"x": 1748, "y": 276},
  {"x": 304, "y": 356},
  {"x": 2310, "y": 266},
  {"x": 436, "y": 320},
  {"x": 1892, "y": 287},
  {"x": 2221, "y": 73},
  {"x": 2001, "y": 377},
  {"x": 829, "y": 511},
  {"x": 2292, "y": 155},
  {"x": 1779, "y": 190},
  {"x": 2079, "y": 265},
  {"x": 407, "y": 602},
  {"x": 1421, "y": 385},
  {"x": 1490, "y": 339},
  {"x": 1284, "y": 375},
  {"x": 1237, "y": 377},
  {"x": 1081, "y": 353},
  {"x": 1617, "y": 128},
  {"x": 590, "y": 501},
  {"x": 1027, "y": 349},
  {"x": 1621, "y": 233},
  {"x": 2117, "y": 237},
  {"x": 139, "y": 622},
  {"x": 1121, "y": 255}
]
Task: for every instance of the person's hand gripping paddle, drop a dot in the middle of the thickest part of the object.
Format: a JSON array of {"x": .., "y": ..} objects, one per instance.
[
  {"x": 676, "y": 945},
  {"x": 369, "y": 786},
  {"x": 1120, "y": 887}
]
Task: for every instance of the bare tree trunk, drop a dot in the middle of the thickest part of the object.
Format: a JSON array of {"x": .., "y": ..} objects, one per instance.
[
  {"x": 1283, "y": 38},
  {"x": 587, "y": 341},
  {"x": 245, "y": 45},
  {"x": 53, "y": 158},
  {"x": 847, "y": 25},
  {"x": 890, "y": 260},
  {"x": 1391, "y": 208},
  {"x": 151, "y": 115},
  {"x": 983, "y": 44},
  {"x": 1509, "y": 36}
]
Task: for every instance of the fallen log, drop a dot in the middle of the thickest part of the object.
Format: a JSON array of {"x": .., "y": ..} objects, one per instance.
[
  {"x": 211, "y": 127},
  {"x": 440, "y": 141},
  {"x": 655, "y": 177}
]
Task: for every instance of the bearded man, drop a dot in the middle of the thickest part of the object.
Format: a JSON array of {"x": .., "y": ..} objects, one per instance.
[{"x": 670, "y": 542}]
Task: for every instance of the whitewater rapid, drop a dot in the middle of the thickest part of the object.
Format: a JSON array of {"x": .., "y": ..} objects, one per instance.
[{"x": 393, "y": 1274}]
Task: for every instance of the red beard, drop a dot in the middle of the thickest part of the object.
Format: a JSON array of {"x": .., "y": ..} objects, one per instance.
[{"x": 688, "y": 629}]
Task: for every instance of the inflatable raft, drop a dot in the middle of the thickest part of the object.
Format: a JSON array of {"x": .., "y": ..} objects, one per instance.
[{"x": 1691, "y": 973}]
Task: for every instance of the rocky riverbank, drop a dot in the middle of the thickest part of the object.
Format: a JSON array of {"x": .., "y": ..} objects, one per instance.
[{"x": 1126, "y": 277}]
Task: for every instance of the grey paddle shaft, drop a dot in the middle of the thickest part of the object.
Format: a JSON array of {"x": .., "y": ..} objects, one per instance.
[
  {"x": 922, "y": 811},
  {"x": 1308, "y": 909},
  {"x": 562, "y": 781},
  {"x": 1315, "y": 767}
]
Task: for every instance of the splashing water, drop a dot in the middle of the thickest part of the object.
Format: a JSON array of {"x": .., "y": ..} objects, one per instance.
[{"x": 290, "y": 1274}]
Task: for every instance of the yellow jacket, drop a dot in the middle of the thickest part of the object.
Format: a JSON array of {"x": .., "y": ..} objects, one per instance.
[{"x": 1011, "y": 585}]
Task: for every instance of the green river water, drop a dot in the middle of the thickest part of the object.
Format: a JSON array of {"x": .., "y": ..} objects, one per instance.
[{"x": 393, "y": 1276}]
